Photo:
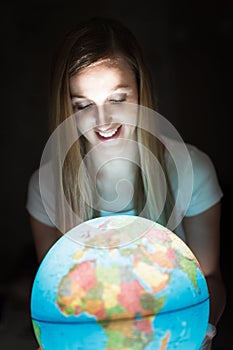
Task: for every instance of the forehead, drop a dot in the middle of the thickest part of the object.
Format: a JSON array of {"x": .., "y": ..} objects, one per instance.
[{"x": 103, "y": 74}]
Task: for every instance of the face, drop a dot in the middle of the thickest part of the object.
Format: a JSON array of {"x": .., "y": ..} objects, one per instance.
[{"x": 105, "y": 96}]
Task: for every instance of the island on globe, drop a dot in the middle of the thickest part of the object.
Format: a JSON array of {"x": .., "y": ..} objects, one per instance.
[{"x": 119, "y": 283}]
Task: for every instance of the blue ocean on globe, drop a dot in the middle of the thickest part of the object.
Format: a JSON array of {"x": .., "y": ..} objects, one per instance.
[{"x": 120, "y": 283}]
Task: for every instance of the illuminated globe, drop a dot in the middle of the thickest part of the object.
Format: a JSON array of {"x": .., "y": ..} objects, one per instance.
[{"x": 119, "y": 282}]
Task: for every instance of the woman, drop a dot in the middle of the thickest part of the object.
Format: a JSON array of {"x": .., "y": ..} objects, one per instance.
[{"x": 100, "y": 79}]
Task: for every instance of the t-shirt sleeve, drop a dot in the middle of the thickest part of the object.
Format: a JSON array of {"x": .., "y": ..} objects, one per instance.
[
  {"x": 206, "y": 188},
  {"x": 34, "y": 204}
]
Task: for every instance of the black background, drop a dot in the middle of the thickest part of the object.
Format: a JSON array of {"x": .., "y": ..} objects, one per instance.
[{"x": 188, "y": 47}]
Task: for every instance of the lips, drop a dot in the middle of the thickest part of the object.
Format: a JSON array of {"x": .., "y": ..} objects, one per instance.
[{"x": 108, "y": 134}]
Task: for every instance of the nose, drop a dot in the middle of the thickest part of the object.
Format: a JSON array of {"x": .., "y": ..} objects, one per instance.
[{"x": 103, "y": 116}]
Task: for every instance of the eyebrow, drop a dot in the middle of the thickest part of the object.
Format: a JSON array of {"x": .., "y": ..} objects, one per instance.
[
  {"x": 121, "y": 87},
  {"x": 114, "y": 90}
]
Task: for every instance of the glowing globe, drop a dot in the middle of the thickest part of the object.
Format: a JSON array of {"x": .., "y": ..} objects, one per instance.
[{"x": 119, "y": 282}]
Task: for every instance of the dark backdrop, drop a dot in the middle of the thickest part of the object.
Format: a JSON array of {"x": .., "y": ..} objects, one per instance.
[{"x": 188, "y": 48}]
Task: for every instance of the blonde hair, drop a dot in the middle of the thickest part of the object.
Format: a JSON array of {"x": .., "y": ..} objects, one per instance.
[{"x": 94, "y": 40}]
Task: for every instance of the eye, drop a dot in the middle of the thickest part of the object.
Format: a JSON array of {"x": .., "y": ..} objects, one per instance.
[
  {"x": 117, "y": 100},
  {"x": 81, "y": 106}
]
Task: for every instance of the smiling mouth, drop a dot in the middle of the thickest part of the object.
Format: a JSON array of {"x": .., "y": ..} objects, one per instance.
[{"x": 108, "y": 135}]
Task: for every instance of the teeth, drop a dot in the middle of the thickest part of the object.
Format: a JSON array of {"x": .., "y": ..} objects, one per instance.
[{"x": 107, "y": 134}]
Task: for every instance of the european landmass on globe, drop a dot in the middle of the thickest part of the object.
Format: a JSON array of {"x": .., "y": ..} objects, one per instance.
[{"x": 120, "y": 283}]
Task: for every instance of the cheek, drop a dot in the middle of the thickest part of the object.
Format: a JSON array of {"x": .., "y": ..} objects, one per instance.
[
  {"x": 83, "y": 128},
  {"x": 85, "y": 122},
  {"x": 128, "y": 114},
  {"x": 135, "y": 97}
]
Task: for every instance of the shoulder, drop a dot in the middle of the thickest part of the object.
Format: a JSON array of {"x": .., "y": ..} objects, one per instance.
[
  {"x": 33, "y": 184},
  {"x": 201, "y": 161},
  {"x": 40, "y": 196},
  {"x": 193, "y": 177},
  {"x": 40, "y": 179},
  {"x": 206, "y": 188},
  {"x": 189, "y": 158},
  {"x": 203, "y": 167}
]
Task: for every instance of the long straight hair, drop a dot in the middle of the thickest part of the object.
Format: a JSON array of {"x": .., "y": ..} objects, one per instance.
[{"x": 87, "y": 43}]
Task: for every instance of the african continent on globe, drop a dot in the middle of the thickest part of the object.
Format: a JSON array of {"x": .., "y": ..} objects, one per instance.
[{"x": 120, "y": 282}]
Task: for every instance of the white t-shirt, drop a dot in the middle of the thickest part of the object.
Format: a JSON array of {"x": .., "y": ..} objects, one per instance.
[{"x": 204, "y": 193}]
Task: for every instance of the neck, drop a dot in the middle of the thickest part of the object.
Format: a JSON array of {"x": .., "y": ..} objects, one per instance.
[{"x": 115, "y": 178}]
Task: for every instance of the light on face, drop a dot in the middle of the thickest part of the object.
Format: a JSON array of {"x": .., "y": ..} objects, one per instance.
[{"x": 100, "y": 95}]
